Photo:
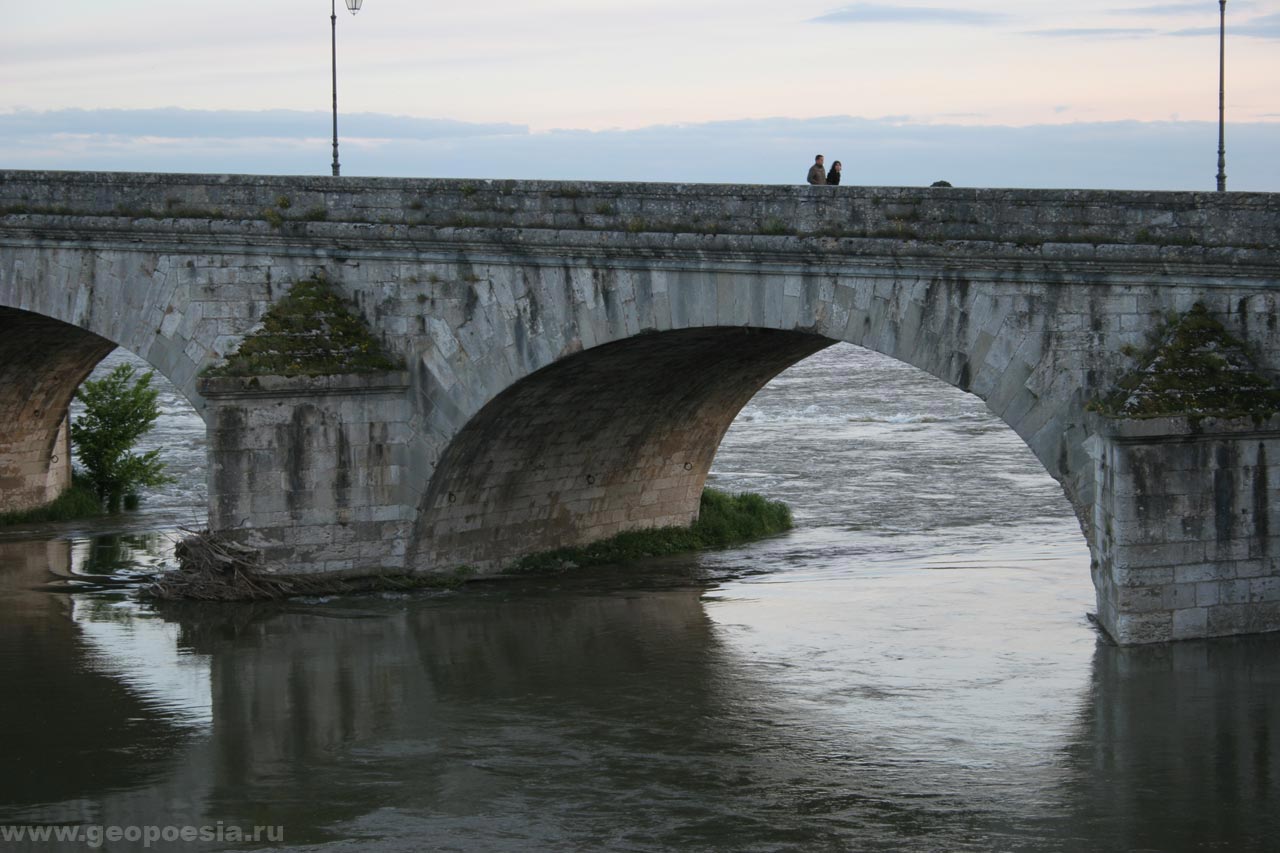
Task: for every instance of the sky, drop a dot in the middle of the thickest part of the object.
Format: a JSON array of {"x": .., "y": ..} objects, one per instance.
[{"x": 1034, "y": 93}]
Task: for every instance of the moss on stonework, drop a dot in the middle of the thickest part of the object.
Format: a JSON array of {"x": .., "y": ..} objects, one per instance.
[
  {"x": 311, "y": 332},
  {"x": 1194, "y": 369}
]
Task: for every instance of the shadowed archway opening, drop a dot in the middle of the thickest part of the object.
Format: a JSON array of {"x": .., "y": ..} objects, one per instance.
[
  {"x": 615, "y": 438},
  {"x": 42, "y": 363}
]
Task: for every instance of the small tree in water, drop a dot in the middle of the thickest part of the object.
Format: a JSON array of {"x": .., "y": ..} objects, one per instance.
[{"x": 118, "y": 410}]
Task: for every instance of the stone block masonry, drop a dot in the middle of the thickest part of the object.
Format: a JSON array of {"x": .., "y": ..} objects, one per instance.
[
  {"x": 573, "y": 352},
  {"x": 1186, "y": 532},
  {"x": 1075, "y": 222},
  {"x": 647, "y": 417},
  {"x": 309, "y": 470}
]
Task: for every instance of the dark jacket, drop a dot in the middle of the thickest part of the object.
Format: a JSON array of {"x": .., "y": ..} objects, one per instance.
[
  {"x": 833, "y": 178},
  {"x": 816, "y": 175}
]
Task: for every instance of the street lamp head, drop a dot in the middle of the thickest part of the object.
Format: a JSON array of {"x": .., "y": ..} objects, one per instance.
[{"x": 354, "y": 5}]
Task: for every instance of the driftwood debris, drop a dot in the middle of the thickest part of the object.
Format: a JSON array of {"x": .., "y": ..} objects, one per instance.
[{"x": 213, "y": 568}]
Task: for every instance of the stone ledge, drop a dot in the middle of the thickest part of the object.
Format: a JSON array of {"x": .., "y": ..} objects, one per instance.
[
  {"x": 1180, "y": 428},
  {"x": 237, "y": 387},
  {"x": 1170, "y": 222},
  {"x": 539, "y": 246}
]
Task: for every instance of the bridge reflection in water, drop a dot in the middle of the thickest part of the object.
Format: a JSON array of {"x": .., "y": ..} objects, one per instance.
[{"x": 630, "y": 711}]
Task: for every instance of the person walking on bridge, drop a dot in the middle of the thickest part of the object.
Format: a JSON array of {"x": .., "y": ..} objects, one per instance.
[{"x": 817, "y": 174}]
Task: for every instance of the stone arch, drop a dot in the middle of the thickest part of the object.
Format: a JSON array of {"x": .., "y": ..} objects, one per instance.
[
  {"x": 176, "y": 308},
  {"x": 618, "y": 437},
  {"x": 64, "y": 308},
  {"x": 43, "y": 361},
  {"x": 611, "y": 422}
]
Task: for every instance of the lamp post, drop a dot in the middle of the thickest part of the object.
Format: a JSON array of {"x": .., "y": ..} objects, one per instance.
[
  {"x": 353, "y": 6},
  {"x": 1222, "y": 70}
]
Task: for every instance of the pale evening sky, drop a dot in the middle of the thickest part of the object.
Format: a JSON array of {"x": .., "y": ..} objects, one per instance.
[{"x": 649, "y": 88}]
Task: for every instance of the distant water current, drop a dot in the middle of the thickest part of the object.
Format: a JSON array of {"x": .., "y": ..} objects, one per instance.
[{"x": 910, "y": 669}]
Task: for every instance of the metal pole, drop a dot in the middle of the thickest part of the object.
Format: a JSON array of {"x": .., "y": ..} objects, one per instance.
[
  {"x": 1222, "y": 103},
  {"x": 333, "y": 23}
]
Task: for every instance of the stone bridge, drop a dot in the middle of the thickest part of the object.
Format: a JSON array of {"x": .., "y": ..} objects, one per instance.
[{"x": 574, "y": 352}]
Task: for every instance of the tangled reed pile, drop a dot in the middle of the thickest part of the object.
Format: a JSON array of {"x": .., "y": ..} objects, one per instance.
[{"x": 213, "y": 568}]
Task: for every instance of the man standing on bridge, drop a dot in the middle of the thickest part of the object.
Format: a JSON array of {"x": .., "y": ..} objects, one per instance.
[{"x": 817, "y": 174}]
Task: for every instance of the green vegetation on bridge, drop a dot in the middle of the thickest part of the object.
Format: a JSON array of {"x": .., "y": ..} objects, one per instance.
[
  {"x": 311, "y": 332},
  {"x": 724, "y": 520},
  {"x": 1193, "y": 368}
]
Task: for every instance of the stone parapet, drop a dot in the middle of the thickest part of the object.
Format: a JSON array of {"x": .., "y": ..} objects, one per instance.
[{"x": 1024, "y": 218}]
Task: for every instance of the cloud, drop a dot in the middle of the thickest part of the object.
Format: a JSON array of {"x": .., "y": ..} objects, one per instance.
[
  {"x": 211, "y": 124},
  {"x": 1093, "y": 32},
  {"x": 875, "y": 13},
  {"x": 1265, "y": 27},
  {"x": 1200, "y": 8},
  {"x": 1119, "y": 155}
]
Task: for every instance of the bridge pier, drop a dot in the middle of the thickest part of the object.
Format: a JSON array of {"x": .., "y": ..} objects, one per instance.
[
  {"x": 309, "y": 470},
  {"x": 1186, "y": 527}
]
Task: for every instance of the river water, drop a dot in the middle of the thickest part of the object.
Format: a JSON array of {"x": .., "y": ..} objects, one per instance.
[{"x": 910, "y": 669}]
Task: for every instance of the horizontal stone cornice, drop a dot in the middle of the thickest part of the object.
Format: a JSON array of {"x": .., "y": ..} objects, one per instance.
[
  {"x": 271, "y": 387},
  {"x": 1182, "y": 428},
  {"x": 872, "y": 256}
]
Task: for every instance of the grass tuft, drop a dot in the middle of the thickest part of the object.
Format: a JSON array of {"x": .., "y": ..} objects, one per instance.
[
  {"x": 724, "y": 520},
  {"x": 76, "y": 502}
]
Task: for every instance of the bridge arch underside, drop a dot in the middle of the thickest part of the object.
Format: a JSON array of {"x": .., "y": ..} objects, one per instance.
[
  {"x": 42, "y": 363},
  {"x": 618, "y": 437}
]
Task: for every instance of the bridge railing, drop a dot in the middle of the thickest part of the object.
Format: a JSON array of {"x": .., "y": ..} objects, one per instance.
[{"x": 1030, "y": 217}]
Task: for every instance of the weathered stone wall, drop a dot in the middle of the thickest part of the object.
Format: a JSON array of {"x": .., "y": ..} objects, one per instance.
[
  {"x": 308, "y": 469},
  {"x": 1186, "y": 533},
  {"x": 1030, "y": 218},
  {"x": 177, "y": 268},
  {"x": 500, "y": 296},
  {"x": 1035, "y": 352},
  {"x": 617, "y": 438}
]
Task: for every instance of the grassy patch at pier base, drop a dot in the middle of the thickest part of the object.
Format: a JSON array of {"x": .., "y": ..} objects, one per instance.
[
  {"x": 724, "y": 520},
  {"x": 76, "y": 502}
]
